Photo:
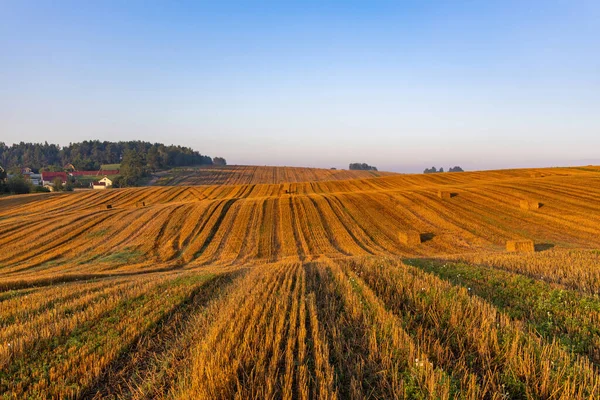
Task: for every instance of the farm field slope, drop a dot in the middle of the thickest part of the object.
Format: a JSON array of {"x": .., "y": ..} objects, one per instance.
[
  {"x": 246, "y": 174},
  {"x": 305, "y": 288}
]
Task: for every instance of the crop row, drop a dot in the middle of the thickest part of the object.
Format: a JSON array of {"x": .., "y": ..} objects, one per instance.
[
  {"x": 62, "y": 346},
  {"x": 231, "y": 231}
]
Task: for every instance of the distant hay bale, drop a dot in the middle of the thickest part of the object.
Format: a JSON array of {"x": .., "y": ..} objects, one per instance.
[
  {"x": 444, "y": 194},
  {"x": 108, "y": 206},
  {"x": 520, "y": 246},
  {"x": 529, "y": 204},
  {"x": 410, "y": 238}
]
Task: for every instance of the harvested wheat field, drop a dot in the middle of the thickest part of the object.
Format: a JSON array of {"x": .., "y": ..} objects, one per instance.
[
  {"x": 281, "y": 283},
  {"x": 247, "y": 174}
]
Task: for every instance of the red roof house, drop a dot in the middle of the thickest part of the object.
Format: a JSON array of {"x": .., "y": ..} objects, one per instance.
[
  {"x": 49, "y": 177},
  {"x": 99, "y": 185}
]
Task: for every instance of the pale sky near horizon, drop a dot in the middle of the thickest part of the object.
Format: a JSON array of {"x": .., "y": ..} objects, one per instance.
[{"x": 402, "y": 85}]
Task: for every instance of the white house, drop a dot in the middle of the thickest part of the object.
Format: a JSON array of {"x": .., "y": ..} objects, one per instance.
[
  {"x": 102, "y": 184},
  {"x": 35, "y": 179},
  {"x": 98, "y": 185},
  {"x": 106, "y": 181}
]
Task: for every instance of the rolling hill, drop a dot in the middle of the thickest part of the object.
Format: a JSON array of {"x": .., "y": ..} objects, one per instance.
[{"x": 266, "y": 282}]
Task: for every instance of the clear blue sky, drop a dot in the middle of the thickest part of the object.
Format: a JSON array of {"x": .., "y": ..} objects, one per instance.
[{"x": 401, "y": 84}]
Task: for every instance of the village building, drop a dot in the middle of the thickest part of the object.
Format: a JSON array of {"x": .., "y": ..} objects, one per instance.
[
  {"x": 102, "y": 184},
  {"x": 98, "y": 185},
  {"x": 49, "y": 177},
  {"x": 29, "y": 175},
  {"x": 35, "y": 179},
  {"x": 107, "y": 181}
]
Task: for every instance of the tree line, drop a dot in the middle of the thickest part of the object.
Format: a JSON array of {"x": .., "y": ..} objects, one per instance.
[
  {"x": 362, "y": 167},
  {"x": 90, "y": 155},
  {"x": 434, "y": 170}
]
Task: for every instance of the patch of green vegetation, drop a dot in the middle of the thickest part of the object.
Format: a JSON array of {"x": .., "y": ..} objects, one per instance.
[
  {"x": 107, "y": 167},
  {"x": 125, "y": 256},
  {"x": 11, "y": 294},
  {"x": 51, "y": 263},
  {"x": 144, "y": 181},
  {"x": 93, "y": 178},
  {"x": 96, "y": 336},
  {"x": 98, "y": 233},
  {"x": 553, "y": 311}
]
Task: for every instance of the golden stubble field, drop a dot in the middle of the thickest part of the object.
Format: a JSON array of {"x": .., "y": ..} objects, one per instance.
[
  {"x": 395, "y": 286},
  {"x": 247, "y": 174}
]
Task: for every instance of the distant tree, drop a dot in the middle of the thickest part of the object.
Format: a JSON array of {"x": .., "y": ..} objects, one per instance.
[
  {"x": 3, "y": 177},
  {"x": 456, "y": 169},
  {"x": 362, "y": 167},
  {"x": 89, "y": 155},
  {"x": 153, "y": 159},
  {"x": 133, "y": 168},
  {"x": 58, "y": 185},
  {"x": 15, "y": 170},
  {"x": 119, "y": 182},
  {"x": 441, "y": 169},
  {"x": 40, "y": 189},
  {"x": 18, "y": 185},
  {"x": 219, "y": 161},
  {"x": 52, "y": 168},
  {"x": 431, "y": 170},
  {"x": 85, "y": 164}
]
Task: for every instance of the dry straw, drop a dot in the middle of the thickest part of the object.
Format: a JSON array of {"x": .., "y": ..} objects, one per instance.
[
  {"x": 444, "y": 195},
  {"x": 410, "y": 238},
  {"x": 529, "y": 204},
  {"x": 520, "y": 246}
]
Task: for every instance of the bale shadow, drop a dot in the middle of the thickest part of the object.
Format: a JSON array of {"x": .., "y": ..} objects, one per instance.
[
  {"x": 543, "y": 246},
  {"x": 426, "y": 237},
  {"x": 453, "y": 195}
]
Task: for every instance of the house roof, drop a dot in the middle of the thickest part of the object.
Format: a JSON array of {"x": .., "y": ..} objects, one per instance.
[{"x": 48, "y": 176}]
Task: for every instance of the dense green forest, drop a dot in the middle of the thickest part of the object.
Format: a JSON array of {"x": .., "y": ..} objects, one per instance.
[{"x": 90, "y": 155}]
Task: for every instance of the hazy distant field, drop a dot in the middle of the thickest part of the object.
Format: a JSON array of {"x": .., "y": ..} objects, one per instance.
[
  {"x": 288, "y": 283},
  {"x": 246, "y": 174}
]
